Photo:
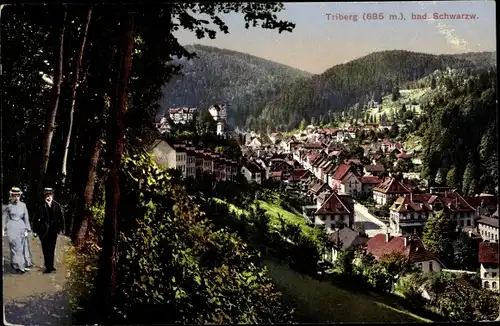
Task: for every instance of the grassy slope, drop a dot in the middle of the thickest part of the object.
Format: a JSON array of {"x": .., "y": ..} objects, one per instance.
[
  {"x": 311, "y": 296},
  {"x": 327, "y": 303},
  {"x": 291, "y": 217},
  {"x": 273, "y": 210}
]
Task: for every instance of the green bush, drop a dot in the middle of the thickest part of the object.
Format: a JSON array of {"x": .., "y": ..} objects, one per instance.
[
  {"x": 82, "y": 268},
  {"x": 174, "y": 266}
]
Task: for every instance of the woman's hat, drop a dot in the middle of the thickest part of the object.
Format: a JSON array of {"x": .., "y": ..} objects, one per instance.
[
  {"x": 48, "y": 191},
  {"x": 15, "y": 191}
]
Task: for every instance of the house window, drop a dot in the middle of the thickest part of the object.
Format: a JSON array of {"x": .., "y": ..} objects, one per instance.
[
  {"x": 486, "y": 274},
  {"x": 420, "y": 266},
  {"x": 468, "y": 222},
  {"x": 494, "y": 274},
  {"x": 487, "y": 284},
  {"x": 494, "y": 285},
  {"x": 431, "y": 268},
  {"x": 322, "y": 217},
  {"x": 461, "y": 223}
]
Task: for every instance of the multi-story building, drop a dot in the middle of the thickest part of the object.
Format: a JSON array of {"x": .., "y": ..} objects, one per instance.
[
  {"x": 487, "y": 227},
  {"x": 181, "y": 115},
  {"x": 171, "y": 156},
  {"x": 253, "y": 172},
  {"x": 389, "y": 188},
  {"x": 199, "y": 163},
  {"x": 190, "y": 162},
  {"x": 410, "y": 212},
  {"x": 333, "y": 211},
  {"x": 208, "y": 163},
  {"x": 488, "y": 258}
]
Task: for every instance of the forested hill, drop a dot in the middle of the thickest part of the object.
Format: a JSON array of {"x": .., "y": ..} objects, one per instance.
[
  {"x": 359, "y": 81},
  {"x": 242, "y": 81}
]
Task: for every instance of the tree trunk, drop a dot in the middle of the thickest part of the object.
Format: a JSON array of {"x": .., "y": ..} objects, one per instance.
[
  {"x": 84, "y": 214},
  {"x": 50, "y": 124},
  {"x": 73, "y": 95},
  {"x": 115, "y": 146}
]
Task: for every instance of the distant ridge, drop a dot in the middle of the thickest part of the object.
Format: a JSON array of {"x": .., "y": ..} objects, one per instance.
[{"x": 243, "y": 81}]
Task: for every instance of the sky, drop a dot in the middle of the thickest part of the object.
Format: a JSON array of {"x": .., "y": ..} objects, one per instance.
[{"x": 319, "y": 42}]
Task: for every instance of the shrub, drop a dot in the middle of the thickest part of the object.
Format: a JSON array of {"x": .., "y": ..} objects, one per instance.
[
  {"x": 174, "y": 266},
  {"x": 82, "y": 268}
]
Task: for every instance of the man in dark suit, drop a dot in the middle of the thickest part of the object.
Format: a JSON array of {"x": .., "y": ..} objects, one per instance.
[{"x": 49, "y": 222}]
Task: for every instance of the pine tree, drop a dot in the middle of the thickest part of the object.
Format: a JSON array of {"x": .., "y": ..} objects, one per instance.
[
  {"x": 433, "y": 83},
  {"x": 302, "y": 125},
  {"x": 438, "y": 236}
]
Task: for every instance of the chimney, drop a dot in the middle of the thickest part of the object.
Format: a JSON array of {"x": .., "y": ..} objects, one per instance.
[
  {"x": 387, "y": 236},
  {"x": 411, "y": 197},
  {"x": 405, "y": 241}
]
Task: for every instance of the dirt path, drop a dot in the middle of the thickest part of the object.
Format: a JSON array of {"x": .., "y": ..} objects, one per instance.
[{"x": 35, "y": 298}]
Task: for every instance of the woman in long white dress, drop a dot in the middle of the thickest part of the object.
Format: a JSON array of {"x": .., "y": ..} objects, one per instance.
[{"x": 17, "y": 226}]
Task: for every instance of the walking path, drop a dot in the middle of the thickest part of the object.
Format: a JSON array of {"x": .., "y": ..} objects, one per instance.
[{"x": 35, "y": 298}]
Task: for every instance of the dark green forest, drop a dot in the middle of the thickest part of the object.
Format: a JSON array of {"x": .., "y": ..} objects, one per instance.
[
  {"x": 359, "y": 81},
  {"x": 242, "y": 81},
  {"x": 459, "y": 133}
]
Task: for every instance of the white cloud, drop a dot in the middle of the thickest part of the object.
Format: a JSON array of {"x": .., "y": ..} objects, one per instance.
[{"x": 445, "y": 29}]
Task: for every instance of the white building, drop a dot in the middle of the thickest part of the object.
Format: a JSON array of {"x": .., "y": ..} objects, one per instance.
[
  {"x": 218, "y": 112},
  {"x": 181, "y": 115},
  {"x": 171, "y": 156},
  {"x": 488, "y": 258},
  {"x": 350, "y": 184},
  {"x": 252, "y": 172},
  {"x": 488, "y": 228}
]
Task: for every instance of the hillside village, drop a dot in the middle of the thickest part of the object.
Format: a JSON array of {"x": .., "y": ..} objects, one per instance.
[{"x": 355, "y": 194}]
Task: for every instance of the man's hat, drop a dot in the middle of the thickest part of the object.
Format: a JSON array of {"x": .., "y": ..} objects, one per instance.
[
  {"x": 48, "y": 191},
  {"x": 15, "y": 191}
]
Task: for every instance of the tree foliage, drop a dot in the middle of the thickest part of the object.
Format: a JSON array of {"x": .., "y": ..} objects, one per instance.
[
  {"x": 175, "y": 259},
  {"x": 444, "y": 143},
  {"x": 438, "y": 236}
]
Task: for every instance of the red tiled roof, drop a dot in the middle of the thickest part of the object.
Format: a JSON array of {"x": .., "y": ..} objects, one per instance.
[
  {"x": 403, "y": 155},
  {"x": 414, "y": 250},
  {"x": 297, "y": 174},
  {"x": 349, "y": 175},
  {"x": 318, "y": 186},
  {"x": 341, "y": 171},
  {"x": 370, "y": 180},
  {"x": 412, "y": 203},
  {"x": 452, "y": 201},
  {"x": 488, "y": 252},
  {"x": 487, "y": 201},
  {"x": 333, "y": 205},
  {"x": 375, "y": 168},
  {"x": 353, "y": 161},
  {"x": 392, "y": 186}
]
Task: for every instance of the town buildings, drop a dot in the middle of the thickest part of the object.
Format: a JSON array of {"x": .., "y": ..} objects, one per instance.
[{"x": 193, "y": 162}]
